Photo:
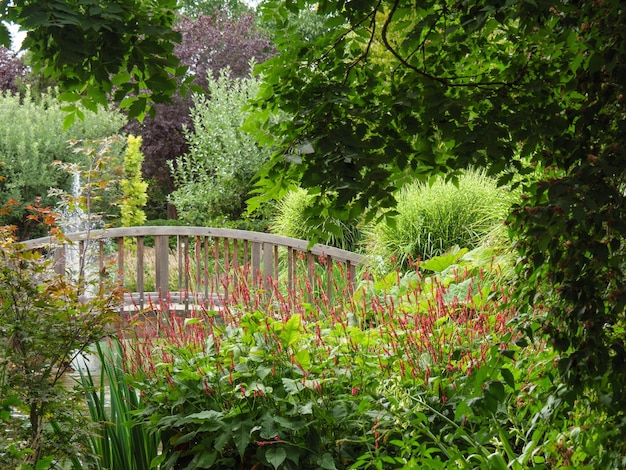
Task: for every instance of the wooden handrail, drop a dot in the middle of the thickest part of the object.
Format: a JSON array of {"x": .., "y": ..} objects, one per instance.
[{"x": 215, "y": 253}]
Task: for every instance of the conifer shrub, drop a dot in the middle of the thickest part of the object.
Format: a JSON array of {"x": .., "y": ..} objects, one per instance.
[{"x": 133, "y": 186}]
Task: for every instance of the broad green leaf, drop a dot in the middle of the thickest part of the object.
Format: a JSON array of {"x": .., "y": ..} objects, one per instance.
[
  {"x": 292, "y": 386},
  {"x": 507, "y": 375},
  {"x": 120, "y": 78},
  {"x": 69, "y": 96},
  {"x": 303, "y": 358},
  {"x": 275, "y": 455},
  {"x": 290, "y": 331},
  {"x": 326, "y": 462},
  {"x": 241, "y": 429},
  {"x": 440, "y": 263}
]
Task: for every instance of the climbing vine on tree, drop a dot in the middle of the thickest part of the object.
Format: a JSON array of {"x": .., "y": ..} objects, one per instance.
[{"x": 396, "y": 90}]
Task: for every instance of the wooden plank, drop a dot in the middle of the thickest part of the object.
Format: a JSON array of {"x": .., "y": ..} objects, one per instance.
[
  {"x": 235, "y": 264},
  {"x": 310, "y": 269},
  {"x": 291, "y": 269},
  {"x": 227, "y": 273},
  {"x": 59, "y": 259},
  {"x": 351, "y": 273},
  {"x": 186, "y": 267},
  {"x": 329, "y": 278},
  {"x": 120, "y": 267},
  {"x": 120, "y": 261},
  {"x": 207, "y": 280},
  {"x": 179, "y": 261},
  {"x": 256, "y": 262},
  {"x": 198, "y": 260},
  {"x": 140, "y": 269},
  {"x": 268, "y": 264},
  {"x": 161, "y": 275},
  {"x": 216, "y": 259},
  {"x": 101, "y": 270}
]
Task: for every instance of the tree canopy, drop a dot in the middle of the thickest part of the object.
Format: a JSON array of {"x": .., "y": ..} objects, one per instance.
[
  {"x": 95, "y": 49},
  {"x": 397, "y": 90}
]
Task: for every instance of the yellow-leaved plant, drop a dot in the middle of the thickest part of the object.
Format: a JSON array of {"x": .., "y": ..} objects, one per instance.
[{"x": 133, "y": 186}]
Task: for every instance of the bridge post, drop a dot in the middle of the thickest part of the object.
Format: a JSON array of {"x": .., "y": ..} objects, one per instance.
[{"x": 162, "y": 248}]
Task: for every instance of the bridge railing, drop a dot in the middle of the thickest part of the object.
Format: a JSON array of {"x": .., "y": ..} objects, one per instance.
[{"x": 193, "y": 262}]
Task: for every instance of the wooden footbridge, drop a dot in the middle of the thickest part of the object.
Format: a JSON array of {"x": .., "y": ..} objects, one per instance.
[{"x": 191, "y": 266}]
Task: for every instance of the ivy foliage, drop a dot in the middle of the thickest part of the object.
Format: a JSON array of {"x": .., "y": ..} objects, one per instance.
[
  {"x": 397, "y": 89},
  {"x": 95, "y": 49}
]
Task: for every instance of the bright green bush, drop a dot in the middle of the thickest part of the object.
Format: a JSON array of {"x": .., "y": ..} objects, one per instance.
[
  {"x": 214, "y": 179},
  {"x": 431, "y": 219},
  {"x": 32, "y": 138},
  {"x": 290, "y": 220}
]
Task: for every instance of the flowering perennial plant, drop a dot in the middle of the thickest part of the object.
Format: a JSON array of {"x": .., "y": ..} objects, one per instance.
[{"x": 407, "y": 361}]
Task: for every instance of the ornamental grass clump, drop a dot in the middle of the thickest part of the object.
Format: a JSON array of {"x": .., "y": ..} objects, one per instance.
[
  {"x": 116, "y": 441},
  {"x": 433, "y": 218},
  {"x": 291, "y": 220}
]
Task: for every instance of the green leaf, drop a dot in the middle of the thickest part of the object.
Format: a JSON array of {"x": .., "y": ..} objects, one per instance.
[
  {"x": 292, "y": 386},
  {"x": 496, "y": 389},
  {"x": 207, "y": 415},
  {"x": 242, "y": 427},
  {"x": 69, "y": 96},
  {"x": 290, "y": 332},
  {"x": 68, "y": 120},
  {"x": 496, "y": 461},
  {"x": 206, "y": 459},
  {"x": 326, "y": 462},
  {"x": 44, "y": 463},
  {"x": 303, "y": 358},
  {"x": 507, "y": 375},
  {"x": 275, "y": 455},
  {"x": 440, "y": 263},
  {"x": 5, "y": 36},
  {"x": 121, "y": 78}
]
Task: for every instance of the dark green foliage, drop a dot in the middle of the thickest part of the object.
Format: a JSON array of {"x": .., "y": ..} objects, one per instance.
[
  {"x": 396, "y": 90},
  {"x": 95, "y": 49}
]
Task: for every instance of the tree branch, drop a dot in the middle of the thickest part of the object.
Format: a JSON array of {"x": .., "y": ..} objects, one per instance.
[{"x": 446, "y": 81}]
